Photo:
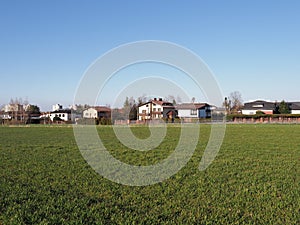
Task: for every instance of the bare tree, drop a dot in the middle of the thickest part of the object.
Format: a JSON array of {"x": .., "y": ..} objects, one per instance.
[
  {"x": 171, "y": 99},
  {"x": 26, "y": 102},
  {"x": 236, "y": 101},
  {"x": 178, "y": 99},
  {"x": 142, "y": 99}
]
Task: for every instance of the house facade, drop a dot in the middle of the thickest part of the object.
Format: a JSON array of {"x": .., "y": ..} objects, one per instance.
[
  {"x": 251, "y": 108},
  {"x": 62, "y": 114},
  {"x": 57, "y": 107},
  {"x": 294, "y": 107},
  {"x": 97, "y": 112},
  {"x": 156, "y": 109},
  {"x": 194, "y": 110},
  {"x": 15, "y": 111}
]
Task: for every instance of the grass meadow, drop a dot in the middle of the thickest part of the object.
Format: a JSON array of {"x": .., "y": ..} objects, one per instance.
[{"x": 255, "y": 179}]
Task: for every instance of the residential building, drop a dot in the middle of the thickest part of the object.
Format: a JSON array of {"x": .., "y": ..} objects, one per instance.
[
  {"x": 15, "y": 111},
  {"x": 156, "y": 109},
  {"x": 252, "y": 108},
  {"x": 194, "y": 110},
  {"x": 97, "y": 112},
  {"x": 57, "y": 107},
  {"x": 294, "y": 107},
  {"x": 62, "y": 114}
]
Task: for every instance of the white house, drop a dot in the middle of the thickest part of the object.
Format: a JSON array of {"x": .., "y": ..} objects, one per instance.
[
  {"x": 63, "y": 114},
  {"x": 97, "y": 112},
  {"x": 15, "y": 111},
  {"x": 156, "y": 109},
  {"x": 251, "y": 108},
  {"x": 57, "y": 107},
  {"x": 6, "y": 117},
  {"x": 13, "y": 108},
  {"x": 194, "y": 110},
  {"x": 294, "y": 107}
]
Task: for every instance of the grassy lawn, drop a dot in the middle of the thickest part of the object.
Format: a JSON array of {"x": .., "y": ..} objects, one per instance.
[{"x": 254, "y": 179}]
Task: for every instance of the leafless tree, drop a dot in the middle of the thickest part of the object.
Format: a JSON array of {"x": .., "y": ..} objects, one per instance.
[
  {"x": 178, "y": 99},
  {"x": 142, "y": 99},
  {"x": 170, "y": 98},
  {"x": 235, "y": 101}
]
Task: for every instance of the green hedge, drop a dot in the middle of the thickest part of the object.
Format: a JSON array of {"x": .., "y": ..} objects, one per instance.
[
  {"x": 94, "y": 121},
  {"x": 231, "y": 117}
]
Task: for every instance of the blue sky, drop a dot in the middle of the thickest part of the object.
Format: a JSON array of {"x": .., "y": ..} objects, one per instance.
[{"x": 46, "y": 46}]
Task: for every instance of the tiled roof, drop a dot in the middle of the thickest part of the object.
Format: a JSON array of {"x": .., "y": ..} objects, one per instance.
[
  {"x": 259, "y": 105},
  {"x": 191, "y": 105},
  {"x": 102, "y": 108},
  {"x": 294, "y": 105},
  {"x": 62, "y": 111},
  {"x": 157, "y": 102}
]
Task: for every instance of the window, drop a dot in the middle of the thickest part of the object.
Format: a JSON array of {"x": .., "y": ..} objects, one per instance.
[
  {"x": 158, "y": 109},
  {"x": 154, "y": 109},
  {"x": 193, "y": 111},
  {"x": 63, "y": 115}
]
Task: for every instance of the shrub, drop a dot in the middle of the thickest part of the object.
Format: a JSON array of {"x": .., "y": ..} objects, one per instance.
[{"x": 260, "y": 113}]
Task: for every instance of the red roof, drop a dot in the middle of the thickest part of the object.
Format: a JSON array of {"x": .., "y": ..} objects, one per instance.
[
  {"x": 102, "y": 109},
  {"x": 157, "y": 102}
]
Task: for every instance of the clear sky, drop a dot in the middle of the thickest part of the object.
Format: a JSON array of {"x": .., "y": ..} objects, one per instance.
[{"x": 250, "y": 46}]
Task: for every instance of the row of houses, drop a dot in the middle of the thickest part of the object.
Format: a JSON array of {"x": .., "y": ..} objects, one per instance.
[
  {"x": 266, "y": 107},
  {"x": 65, "y": 115},
  {"x": 155, "y": 108},
  {"x": 19, "y": 112},
  {"x": 151, "y": 110},
  {"x": 159, "y": 109}
]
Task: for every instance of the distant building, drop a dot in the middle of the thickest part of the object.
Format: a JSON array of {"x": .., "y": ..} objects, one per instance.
[
  {"x": 194, "y": 110},
  {"x": 294, "y": 107},
  {"x": 57, "y": 107},
  {"x": 156, "y": 109},
  {"x": 62, "y": 114},
  {"x": 57, "y": 114},
  {"x": 97, "y": 112},
  {"x": 251, "y": 108},
  {"x": 14, "y": 111},
  {"x": 13, "y": 108}
]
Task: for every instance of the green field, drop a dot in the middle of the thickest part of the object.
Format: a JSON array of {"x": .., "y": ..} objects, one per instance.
[{"x": 254, "y": 179}]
